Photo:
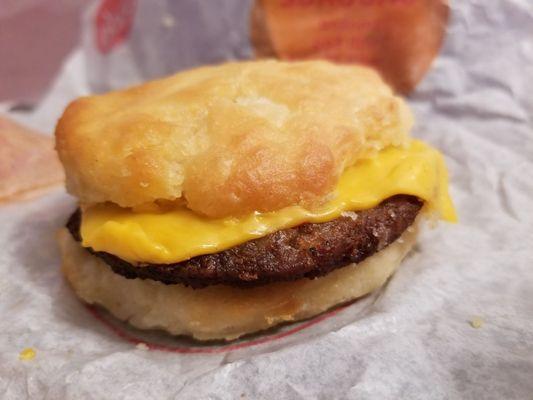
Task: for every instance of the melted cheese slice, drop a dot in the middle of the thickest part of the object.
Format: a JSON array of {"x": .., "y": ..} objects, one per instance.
[{"x": 169, "y": 236}]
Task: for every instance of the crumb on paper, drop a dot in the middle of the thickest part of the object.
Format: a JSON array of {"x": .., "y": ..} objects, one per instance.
[
  {"x": 27, "y": 354},
  {"x": 477, "y": 322},
  {"x": 141, "y": 346}
]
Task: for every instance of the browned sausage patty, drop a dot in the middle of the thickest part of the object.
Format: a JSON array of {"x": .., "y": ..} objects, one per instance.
[{"x": 305, "y": 251}]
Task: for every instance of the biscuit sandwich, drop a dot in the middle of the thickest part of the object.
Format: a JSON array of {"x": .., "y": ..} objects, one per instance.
[{"x": 228, "y": 199}]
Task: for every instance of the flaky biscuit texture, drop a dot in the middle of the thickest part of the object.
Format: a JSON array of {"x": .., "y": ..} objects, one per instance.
[{"x": 229, "y": 139}]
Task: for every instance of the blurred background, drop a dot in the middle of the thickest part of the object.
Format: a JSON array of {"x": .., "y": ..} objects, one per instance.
[
  {"x": 465, "y": 63},
  {"x": 98, "y": 45},
  {"x": 35, "y": 38}
]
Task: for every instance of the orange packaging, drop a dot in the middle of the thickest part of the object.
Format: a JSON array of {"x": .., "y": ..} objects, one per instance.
[{"x": 398, "y": 37}]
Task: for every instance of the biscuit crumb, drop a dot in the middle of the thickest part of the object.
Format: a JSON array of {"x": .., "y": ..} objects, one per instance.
[
  {"x": 477, "y": 322},
  {"x": 141, "y": 346},
  {"x": 27, "y": 354},
  {"x": 350, "y": 214}
]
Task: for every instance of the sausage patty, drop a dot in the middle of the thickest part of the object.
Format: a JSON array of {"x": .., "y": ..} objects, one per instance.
[{"x": 304, "y": 251}]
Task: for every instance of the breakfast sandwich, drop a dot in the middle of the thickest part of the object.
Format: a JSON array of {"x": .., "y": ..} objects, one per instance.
[{"x": 228, "y": 199}]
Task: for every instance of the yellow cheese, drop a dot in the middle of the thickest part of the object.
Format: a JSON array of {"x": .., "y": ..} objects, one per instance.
[
  {"x": 168, "y": 236},
  {"x": 27, "y": 354}
]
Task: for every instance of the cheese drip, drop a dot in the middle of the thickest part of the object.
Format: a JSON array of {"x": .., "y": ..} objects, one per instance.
[{"x": 162, "y": 236}]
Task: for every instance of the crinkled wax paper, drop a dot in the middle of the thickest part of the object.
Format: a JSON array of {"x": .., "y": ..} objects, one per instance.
[{"x": 455, "y": 322}]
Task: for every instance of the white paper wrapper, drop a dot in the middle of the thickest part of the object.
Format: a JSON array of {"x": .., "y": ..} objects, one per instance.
[{"x": 414, "y": 339}]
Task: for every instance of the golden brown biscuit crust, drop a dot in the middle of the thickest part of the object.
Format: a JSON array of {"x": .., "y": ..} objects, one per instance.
[{"x": 229, "y": 139}]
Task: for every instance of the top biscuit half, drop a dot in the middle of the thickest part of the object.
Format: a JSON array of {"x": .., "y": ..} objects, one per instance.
[{"x": 230, "y": 139}]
